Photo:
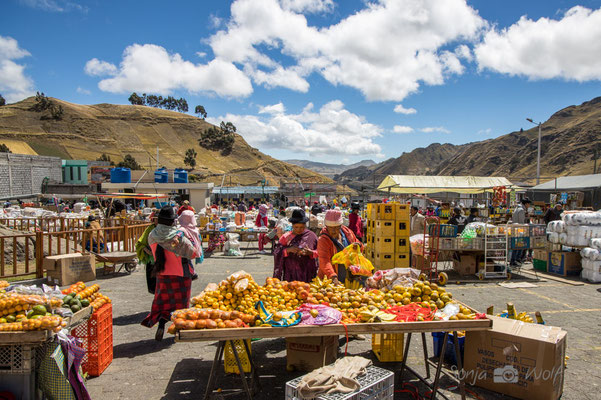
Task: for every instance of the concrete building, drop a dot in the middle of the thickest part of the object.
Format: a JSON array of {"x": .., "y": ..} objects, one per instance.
[
  {"x": 22, "y": 175},
  {"x": 199, "y": 194}
]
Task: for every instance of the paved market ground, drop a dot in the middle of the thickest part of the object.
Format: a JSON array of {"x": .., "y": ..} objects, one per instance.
[{"x": 145, "y": 369}]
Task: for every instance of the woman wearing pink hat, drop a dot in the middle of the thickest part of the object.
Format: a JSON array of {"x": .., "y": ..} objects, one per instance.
[{"x": 334, "y": 237}]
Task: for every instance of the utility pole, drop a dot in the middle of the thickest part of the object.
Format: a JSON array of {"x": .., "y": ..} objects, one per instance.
[
  {"x": 595, "y": 155},
  {"x": 157, "y": 157},
  {"x": 538, "y": 156}
]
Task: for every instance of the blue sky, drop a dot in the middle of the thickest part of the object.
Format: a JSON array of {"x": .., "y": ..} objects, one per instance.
[{"x": 316, "y": 79}]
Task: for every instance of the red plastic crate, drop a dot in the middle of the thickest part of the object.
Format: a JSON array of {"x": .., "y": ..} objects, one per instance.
[{"x": 96, "y": 336}]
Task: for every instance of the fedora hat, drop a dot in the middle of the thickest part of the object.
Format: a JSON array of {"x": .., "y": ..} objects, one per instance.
[{"x": 298, "y": 217}]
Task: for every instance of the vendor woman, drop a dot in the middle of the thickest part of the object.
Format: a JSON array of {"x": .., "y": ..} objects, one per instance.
[
  {"x": 295, "y": 257},
  {"x": 334, "y": 237}
]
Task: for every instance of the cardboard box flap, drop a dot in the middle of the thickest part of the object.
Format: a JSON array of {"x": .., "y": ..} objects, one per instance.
[{"x": 545, "y": 333}]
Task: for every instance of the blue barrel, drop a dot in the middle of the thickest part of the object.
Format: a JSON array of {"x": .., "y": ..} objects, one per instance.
[
  {"x": 161, "y": 175},
  {"x": 180, "y": 176},
  {"x": 120, "y": 175}
]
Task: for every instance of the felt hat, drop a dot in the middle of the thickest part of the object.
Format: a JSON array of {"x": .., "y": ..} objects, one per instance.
[
  {"x": 355, "y": 206},
  {"x": 333, "y": 218},
  {"x": 298, "y": 217},
  {"x": 166, "y": 216}
]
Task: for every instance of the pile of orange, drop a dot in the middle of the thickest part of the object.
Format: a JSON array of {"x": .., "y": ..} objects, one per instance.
[{"x": 193, "y": 318}]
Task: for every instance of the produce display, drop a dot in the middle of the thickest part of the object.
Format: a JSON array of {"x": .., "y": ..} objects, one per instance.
[
  {"x": 194, "y": 318},
  {"x": 233, "y": 302},
  {"x": 4, "y": 284},
  {"x": 79, "y": 296},
  {"x": 23, "y": 312}
]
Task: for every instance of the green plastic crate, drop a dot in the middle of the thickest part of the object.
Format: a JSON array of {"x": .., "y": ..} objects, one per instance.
[{"x": 539, "y": 265}]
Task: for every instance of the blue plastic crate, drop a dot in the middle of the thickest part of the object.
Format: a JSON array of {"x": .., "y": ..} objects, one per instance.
[
  {"x": 449, "y": 355},
  {"x": 442, "y": 230}
]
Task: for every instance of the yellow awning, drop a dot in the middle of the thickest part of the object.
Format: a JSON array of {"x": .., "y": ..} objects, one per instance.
[{"x": 412, "y": 184}]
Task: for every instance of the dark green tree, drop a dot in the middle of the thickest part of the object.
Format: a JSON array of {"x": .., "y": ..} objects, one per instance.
[
  {"x": 136, "y": 100},
  {"x": 4, "y": 148},
  {"x": 182, "y": 105},
  {"x": 2, "y": 101},
  {"x": 105, "y": 157},
  {"x": 129, "y": 162},
  {"x": 41, "y": 102},
  {"x": 190, "y": 158},
  {"x": 221, "y": 138},
  {"x": 56, "y": 111},
  {"x": 200, "y": 111}
]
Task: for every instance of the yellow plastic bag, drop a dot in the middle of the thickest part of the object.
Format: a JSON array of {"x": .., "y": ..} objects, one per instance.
[{"x": 354, "y": 261}]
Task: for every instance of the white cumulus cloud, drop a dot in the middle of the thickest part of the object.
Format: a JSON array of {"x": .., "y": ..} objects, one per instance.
[
  {"x": 95, "y": 67},
  {"x": 386, "y": 50},
  {"x": 308, "y": 6},
  {"x": 567, "y": 48},
  {"x": 435, "y": 129},
  {"x": 402, "y": 110},
  {"x": 151, "y": 68},
  {"x": 81, "y": 90},
  {"x": 14, "y": 84},
  {"x": 402, "y": 129},
  {"x": 333, "y": 130},
  {"x": 272, "y": 109},
  {"x": 486, "y": 131}
]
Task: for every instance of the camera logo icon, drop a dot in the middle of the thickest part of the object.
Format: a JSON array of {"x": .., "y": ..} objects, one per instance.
[{"x": 506, "y": 374}]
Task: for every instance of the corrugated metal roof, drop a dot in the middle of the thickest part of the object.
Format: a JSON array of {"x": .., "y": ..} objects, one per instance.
[
  {"x": 434, "y": 184},
  {"x": 245, "y": 190},
  {"x": 571, "y": 182}
]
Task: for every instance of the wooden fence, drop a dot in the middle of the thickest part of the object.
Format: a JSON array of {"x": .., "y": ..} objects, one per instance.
[
  {"x": 62, "y": 224},
  {"x": 23, "y": 254}
]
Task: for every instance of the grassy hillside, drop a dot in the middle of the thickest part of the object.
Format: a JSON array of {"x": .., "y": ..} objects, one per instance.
[{"x": 87, "y": 131}]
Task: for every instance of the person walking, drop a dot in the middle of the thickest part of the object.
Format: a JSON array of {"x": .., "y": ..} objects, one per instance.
[
  {"x": 187, "y": 223},
  {"x": 355, "y": 223},
  {"x": 261, "y": 222},
  {"x": 295, "y": 259},
  {"x": 172, "y": 253},
  {"x": 185, "y": 207}
]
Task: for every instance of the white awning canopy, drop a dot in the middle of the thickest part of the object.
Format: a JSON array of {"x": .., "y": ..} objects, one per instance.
[
  {"x": 575, "y": 182},
  {"x": 411, "y": 184}
]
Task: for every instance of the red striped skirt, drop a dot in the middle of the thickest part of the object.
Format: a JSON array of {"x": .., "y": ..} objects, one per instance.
[{"x": 172, "y": 293}]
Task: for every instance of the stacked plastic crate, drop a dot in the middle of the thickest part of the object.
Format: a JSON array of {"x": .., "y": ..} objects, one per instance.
[{"x": 388, "y": 235}]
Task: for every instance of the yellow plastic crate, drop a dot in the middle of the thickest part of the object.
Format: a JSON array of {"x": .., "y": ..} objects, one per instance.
[
  {"x": 384, "y": 244},
  {"x": 229, "y": 361},
  {"x": 402, "y": 228},
  {"x": 402, "y": 245},
  {"x": 384, "y": 228},
  {"x": 388, "y": 347},
  {"x": 383, "y": 260},
  {"x": 402, "y": 260}
]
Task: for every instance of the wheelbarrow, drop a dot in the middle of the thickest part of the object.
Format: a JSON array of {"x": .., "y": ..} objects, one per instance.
[{"x": 110, "y": 260}]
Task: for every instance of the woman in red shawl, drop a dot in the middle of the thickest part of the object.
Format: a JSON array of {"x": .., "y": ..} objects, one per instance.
[
  {"x": 354, "y": 221},
  {"x": 260, "y": 222},
  {"x": 295, "y": 258}
]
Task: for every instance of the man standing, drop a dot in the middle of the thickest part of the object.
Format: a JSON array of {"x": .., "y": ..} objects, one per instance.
[
  {"x": 458, "y": 219},
  {"x": 553, "y": 214},
  {"x": 473, "y": 217},
  {"x": 416, "y": 226}
]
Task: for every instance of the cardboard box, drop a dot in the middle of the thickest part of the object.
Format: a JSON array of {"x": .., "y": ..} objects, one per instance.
[
  {"x": 522, "y": 360},
  {"x": 466, "y": 265},
  {"x": 309, "y": 353},
  {"x": 66, "y": 269},
  {"x": 564, "y": 263},
  {"x": 540, "y": 255}
]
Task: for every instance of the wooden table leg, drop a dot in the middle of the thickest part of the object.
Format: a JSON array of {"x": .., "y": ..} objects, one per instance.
[
  {"x": 212, "y": 375},
  {"x": 425, "y": 346},
  {"x": 439, "y": 366},
  {"x": 240, "y": 369},
  {"x": 459, "y": 365}
]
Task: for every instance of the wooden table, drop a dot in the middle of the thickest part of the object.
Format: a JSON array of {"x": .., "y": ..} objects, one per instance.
[{"x": 229, "y": 335}]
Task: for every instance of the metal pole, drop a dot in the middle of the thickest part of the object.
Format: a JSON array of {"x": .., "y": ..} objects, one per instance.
[{"x": 538, "y": 158}]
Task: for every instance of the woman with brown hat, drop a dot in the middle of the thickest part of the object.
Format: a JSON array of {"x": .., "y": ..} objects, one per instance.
[{"x": 295, "y": 258}]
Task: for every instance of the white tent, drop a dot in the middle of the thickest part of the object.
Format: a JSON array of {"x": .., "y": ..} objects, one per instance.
[{"x": 410, "y": 184}]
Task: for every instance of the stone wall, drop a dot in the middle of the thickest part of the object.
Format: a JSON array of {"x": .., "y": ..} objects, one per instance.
[{"x": 22, "y": 174}]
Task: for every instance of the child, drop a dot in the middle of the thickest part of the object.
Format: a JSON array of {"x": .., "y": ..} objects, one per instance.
[{"x": 187, "y": 222}]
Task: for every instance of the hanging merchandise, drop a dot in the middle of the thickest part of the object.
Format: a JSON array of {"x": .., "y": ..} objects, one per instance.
[{"x": 354, "y": 261}]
